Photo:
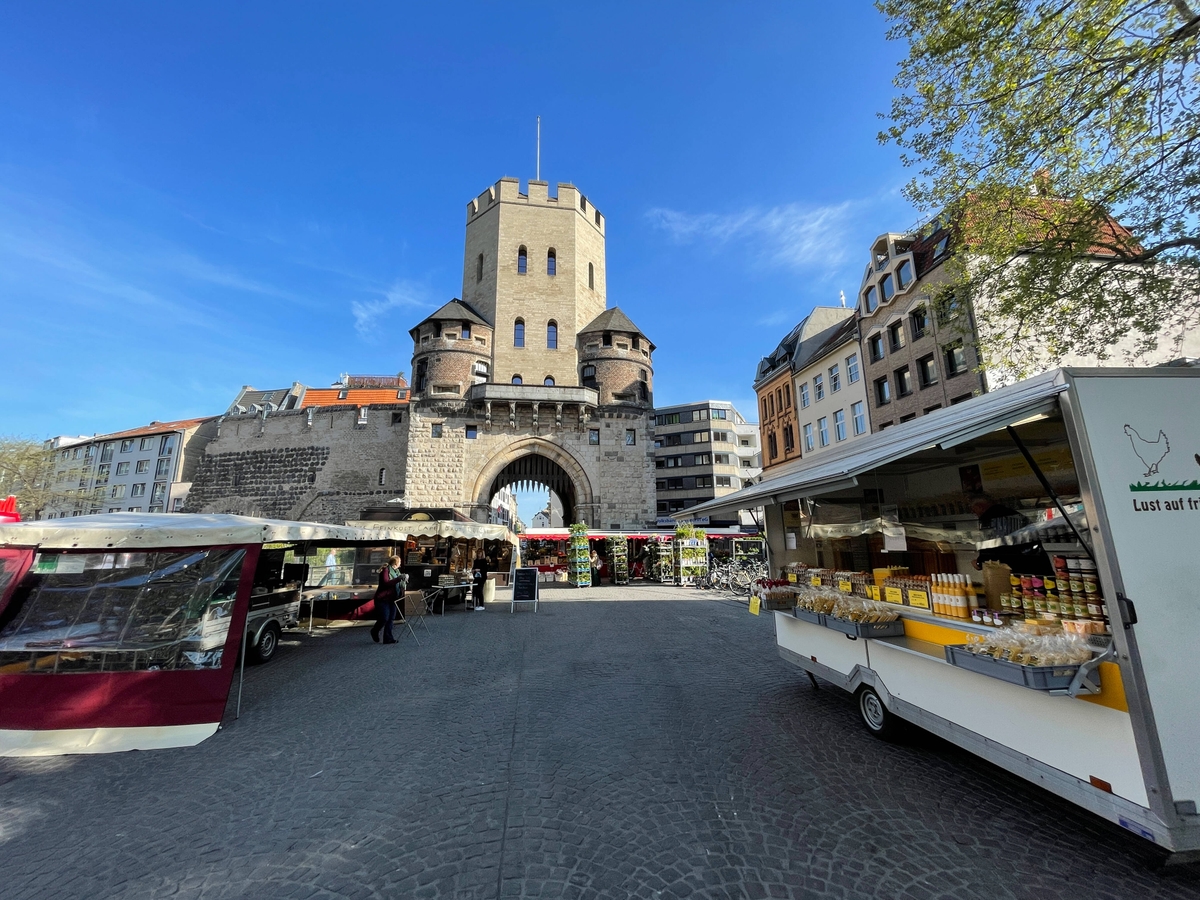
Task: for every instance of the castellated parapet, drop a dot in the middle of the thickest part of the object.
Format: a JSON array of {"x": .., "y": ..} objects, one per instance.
[{"x": 508, "y": 190}]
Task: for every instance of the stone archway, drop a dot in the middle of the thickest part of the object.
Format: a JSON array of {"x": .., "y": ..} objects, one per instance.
[{"x": 541, "y": 462}]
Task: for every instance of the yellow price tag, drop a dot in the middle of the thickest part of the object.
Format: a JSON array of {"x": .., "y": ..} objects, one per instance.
[
  {"x": 791, "y": 577},
  {"x": 754, "y": 606},
  {"x": 845, "y": 587},
  {"x": 893, "y": 595},
  {"x": 918, "y": 598},
  {"x": 815, "y": 581},
  {"x": 873, "y": 591}
]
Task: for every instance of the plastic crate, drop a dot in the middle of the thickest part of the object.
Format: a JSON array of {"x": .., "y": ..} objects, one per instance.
[
  {"x": 1039, "y": 678},
  {"x": 865, "y": 629},
  {"x": 808, "y": 616}
]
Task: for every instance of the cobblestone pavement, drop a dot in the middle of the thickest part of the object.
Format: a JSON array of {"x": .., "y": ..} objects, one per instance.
[{"x": 647, "y": 748}]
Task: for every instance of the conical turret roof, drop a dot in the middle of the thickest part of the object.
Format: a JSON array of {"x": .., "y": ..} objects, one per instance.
[{"x": 614, "y": 320}]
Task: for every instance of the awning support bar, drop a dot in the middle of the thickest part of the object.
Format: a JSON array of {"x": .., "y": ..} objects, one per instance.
[{"x": 1041, "y": 476}]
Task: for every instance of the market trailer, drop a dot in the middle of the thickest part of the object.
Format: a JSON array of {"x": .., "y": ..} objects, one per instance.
[
  {"x": 124, "y": 631},
  {"x": 1115, "y": 450}
]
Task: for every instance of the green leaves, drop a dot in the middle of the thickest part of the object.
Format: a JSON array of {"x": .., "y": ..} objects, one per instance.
[{"x": 1032, "y": 125}]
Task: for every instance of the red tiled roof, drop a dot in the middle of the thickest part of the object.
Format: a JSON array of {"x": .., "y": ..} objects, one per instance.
[
  {"x": 155, "y": 428},
  {"x": 354, "y": 397}
]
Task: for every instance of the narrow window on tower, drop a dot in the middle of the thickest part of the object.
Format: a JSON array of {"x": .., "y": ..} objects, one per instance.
[
  {"x": 591, "y": 277},
  {"x": 519, "y": 333},
  {"x": 516, "y": 379},
  {"x": 549, "y": 382},
  {"x": 522, "y": 261},
  {"x": 551, "y": 262},
  {"x": 589, "y": 377},
  {"x": 479, "y": 268},
  {"x": 552, "y": 335}
]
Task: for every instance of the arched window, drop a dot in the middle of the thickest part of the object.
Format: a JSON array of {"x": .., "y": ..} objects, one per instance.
[
  {"x": 552, "y": 335},
  {"x": 522, "y": 261},
  {"x": 551, "y": 262},
  {"x": 549, "y": 382},
  {"x": 517, "y": 380},
  {"x": 479, "y": 268},
  {"x": 519, "y": 333},
  {"x": 589, "y": 376},
  {"x": 591, "y": 276}
]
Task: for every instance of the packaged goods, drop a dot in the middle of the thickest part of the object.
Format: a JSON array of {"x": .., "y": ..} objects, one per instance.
[{"x": 1033, "y": 645}]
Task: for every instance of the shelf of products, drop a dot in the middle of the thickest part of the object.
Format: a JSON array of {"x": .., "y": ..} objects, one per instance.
[
  {"x": 689, "y": 554},
  {"x": 579, "y": 557},
  {"x": 618, "y": 555}
]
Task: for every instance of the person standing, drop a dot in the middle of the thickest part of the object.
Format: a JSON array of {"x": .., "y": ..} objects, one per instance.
[
  {"x": 479, "y": 578},
  {"x": 391, "y": 579},
  {"x": 595, "y": 569}
]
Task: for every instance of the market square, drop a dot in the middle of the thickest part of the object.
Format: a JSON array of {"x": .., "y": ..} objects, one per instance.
[{"x": 650, "y": 746}]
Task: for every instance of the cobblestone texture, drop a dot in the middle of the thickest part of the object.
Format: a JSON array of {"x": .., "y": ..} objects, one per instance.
[{"x": 653, "y": 748}]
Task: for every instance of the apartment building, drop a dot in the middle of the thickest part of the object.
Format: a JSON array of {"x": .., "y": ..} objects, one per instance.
[
  {"x": 702, "y": 450},
  {"x": 787, "y": 402},
  {"x": 147, "y": 469},
  {"x": 830, "y": 389}
]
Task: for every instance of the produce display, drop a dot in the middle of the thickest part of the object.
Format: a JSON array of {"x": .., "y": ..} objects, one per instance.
[
  {"x": 689, "y": 554},
  {"x": 579, "y": 557},
  {"x": 618, "y": 557}
]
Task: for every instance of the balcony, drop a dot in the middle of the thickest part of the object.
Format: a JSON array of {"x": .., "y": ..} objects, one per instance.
[{"x": 532, "y": 393}]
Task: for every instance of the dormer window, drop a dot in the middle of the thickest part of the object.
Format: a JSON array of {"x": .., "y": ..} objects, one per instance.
[
  {"x": 904, "y": 274},
  {"x": 887, "y": 287},
  {"x": 870, "y": 300},
  {"x": 522, "y": 261}
]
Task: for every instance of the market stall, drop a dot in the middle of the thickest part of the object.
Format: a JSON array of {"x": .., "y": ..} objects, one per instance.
[
  {"x": 443, "y": 549},
  {"x": 124, "y": 631},
  {"x": 1015, "y": 574}
]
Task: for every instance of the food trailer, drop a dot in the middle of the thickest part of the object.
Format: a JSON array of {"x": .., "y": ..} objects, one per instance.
[
  {"x": 1068, "y": 658},
  {"x": 124, "y": 631}
]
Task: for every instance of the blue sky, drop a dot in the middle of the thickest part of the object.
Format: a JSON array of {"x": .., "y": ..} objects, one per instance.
[{"x": 198, "y": 197}]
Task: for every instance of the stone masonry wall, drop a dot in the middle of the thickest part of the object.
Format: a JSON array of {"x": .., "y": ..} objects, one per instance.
[
  {"x": 324, "y": 466},
  {"x": 615, "y": 482}
]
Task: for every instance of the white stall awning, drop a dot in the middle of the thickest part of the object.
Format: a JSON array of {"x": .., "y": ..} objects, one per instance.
[
  {"x": 130, "y": 530},
  {"x": 945, "y": 428}
]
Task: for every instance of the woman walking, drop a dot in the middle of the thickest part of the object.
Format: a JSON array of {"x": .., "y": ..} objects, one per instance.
[{"x": 391, "y": 580}]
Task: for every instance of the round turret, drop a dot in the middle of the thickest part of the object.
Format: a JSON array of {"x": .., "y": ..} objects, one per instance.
[
  {"x": 616, "y": 359},
  {"x": 451, "y": 351}
]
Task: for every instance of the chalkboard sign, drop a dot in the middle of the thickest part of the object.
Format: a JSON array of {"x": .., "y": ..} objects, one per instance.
[{"x": 525, "y": 586}]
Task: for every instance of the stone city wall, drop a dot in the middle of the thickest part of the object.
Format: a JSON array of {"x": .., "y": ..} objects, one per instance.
[{"x": 321, "y": 465}]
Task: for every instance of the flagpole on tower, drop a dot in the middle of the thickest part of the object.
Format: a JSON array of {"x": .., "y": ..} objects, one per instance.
[{"x": 539, "y": 148}]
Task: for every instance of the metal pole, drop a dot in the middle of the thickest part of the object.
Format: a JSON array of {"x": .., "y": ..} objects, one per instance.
[
  {"x": 241, "y": 676},
  {"x": 539, "y": 148}
]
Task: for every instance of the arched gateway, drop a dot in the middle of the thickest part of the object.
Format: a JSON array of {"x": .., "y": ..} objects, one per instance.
[{"x": 539, "y": 462}]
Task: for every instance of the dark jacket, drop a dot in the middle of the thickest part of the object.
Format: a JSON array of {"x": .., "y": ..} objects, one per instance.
[{"x": 389, "y": 587}]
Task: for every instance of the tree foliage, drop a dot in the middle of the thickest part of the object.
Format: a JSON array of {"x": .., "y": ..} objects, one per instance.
[
  {"x": 27, "y": 471},
  {"x": 1033, "y": 125}
]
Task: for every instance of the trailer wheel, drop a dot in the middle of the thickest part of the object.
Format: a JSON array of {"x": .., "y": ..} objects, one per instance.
[
  {"x": 875, "y": 715},
  {"x": 268, "y": 643}
]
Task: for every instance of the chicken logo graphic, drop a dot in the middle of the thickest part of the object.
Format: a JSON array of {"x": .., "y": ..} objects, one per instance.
[{"x": 1151, "y": 453}]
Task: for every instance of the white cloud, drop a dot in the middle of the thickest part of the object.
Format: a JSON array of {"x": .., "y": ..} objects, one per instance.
[
  {"x": 792, "y": 236},
  {"x": 369, "y": 313}
]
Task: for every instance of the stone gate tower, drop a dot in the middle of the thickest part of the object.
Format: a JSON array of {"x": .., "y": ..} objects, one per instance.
[
  {"x": 530, "y": 378},
  {"x": 534, "y": 264}
]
